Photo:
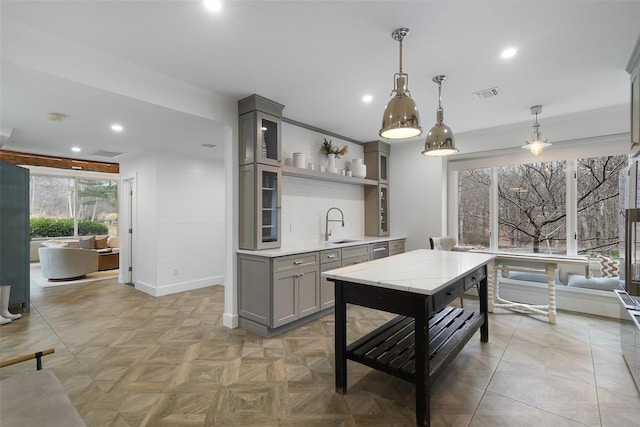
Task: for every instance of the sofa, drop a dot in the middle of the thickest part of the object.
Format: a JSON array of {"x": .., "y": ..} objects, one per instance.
[
  {"x": 67, "y": 263},
  {"x": 100, "y": 243}
]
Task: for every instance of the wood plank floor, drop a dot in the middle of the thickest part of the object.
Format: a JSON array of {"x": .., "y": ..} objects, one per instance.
[{"x": 128, "y": 359}]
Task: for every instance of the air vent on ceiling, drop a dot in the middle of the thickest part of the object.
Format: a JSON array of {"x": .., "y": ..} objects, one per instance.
[
  {"x": 487, "y": 93},
  {"x": 105, "y": 153}
]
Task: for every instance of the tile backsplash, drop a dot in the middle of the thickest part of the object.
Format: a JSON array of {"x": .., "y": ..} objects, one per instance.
[{"x": 305, "y": 203}]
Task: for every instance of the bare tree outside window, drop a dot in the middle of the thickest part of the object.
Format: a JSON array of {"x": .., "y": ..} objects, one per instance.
[
  {"x": 532, "y": 206},
  {"x": 598, "y": 194},
  {"x": 474, "y": 225}
]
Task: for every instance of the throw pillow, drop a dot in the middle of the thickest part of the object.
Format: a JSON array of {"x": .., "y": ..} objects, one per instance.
[
  {"x": 55, "y": 244},
  {"x": 534, "y": 277},
  {"x": 599, "y": 283},
  {"x": 609, "y": 267},
  {"x": 87, "y": 242},
  {"x": 101, "y": 242}
]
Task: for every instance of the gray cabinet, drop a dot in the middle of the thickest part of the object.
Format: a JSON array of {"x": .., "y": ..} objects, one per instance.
[
  {"x": 273, "y": 292},
  {"x": 15, "y": 233},
  {"x": 329, "y": 260},
  {"x": 396, "y": 247},
  {"x": 295, "y": 295},
  {"x": 376, "y": 205},
  {"x": 260, "y": 177},
  {"x": 259, "y": 129},
  {"x": 355, "y": 255},
  {"x": 260, "y": 215},
  {"x": 633, "y": 68},
  {"x": 376, "y": 198}
]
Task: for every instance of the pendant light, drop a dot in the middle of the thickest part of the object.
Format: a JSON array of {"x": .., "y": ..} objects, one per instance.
[
  {"x": 401, "y": 118},
  {"x": 537, "y": 142},
  {"x": 440, "y": 141}
]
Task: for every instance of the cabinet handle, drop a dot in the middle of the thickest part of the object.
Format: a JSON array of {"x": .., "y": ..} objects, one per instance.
[
  {"x": 301, "y": 274},
  {"x": 297, "y": 262},
  {"x": 379, "y": 249},
  {"x": 331, "y": 256}
]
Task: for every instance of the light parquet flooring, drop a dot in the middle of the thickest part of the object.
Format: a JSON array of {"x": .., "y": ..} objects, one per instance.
[{"x": 128, "y": 359}]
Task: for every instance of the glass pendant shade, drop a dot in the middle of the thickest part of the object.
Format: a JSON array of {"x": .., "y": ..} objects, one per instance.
[
  {"x": 537, "y": 141},
  {"x": 440, "y": 140},
  {"x": 400, "y": 119}
]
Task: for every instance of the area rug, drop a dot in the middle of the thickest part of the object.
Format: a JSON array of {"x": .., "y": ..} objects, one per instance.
[{"x": 36, "y": 276}]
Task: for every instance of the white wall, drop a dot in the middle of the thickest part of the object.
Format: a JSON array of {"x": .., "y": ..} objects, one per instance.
[
  {"x": 415, "y": 194},
  {"x": 180, "y": 225}
]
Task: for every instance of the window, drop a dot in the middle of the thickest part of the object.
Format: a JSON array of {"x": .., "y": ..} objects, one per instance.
[
  {"x": 598, "y": 227},
  {"x": 69, "y": 206},
  {"x": 532, "y": 208},
  {"x": 474, "y": 224},
  {"x": 538, "y": 203}
]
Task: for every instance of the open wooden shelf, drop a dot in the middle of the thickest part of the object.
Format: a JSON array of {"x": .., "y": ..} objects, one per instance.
[{"x": 325, "y": 176}]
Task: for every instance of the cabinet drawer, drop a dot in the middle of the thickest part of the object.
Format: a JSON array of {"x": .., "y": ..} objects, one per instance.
[
  {"x": 355, "y": 251},
  {"x": 355, "y": 260},
  {"x": 477, "y": 276},
  {"x": 331, "y": 255},
  {"x": 448, "y": 294},
  {"x": 397, "y": 246},
  {"x": 294, "y": 261}
]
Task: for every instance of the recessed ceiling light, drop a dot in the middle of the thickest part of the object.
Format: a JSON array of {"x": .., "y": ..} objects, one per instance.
[
  {"x": 213, "y": 5},
  {"x": 117, "y": 128},
  {"x": 509, "y": 52},
  {"x": 56, "y": 117},
  {"x": 367, "y": 99},
  {"x": 75, "y": 149}
]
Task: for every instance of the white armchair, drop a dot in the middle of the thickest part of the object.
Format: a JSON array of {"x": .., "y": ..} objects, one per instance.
[{"x": 67, "y": 263}]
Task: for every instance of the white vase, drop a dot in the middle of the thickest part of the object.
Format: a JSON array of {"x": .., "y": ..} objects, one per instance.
[
  {"x": 331, "y": 166},
  {"x": 358, "y": 169}
]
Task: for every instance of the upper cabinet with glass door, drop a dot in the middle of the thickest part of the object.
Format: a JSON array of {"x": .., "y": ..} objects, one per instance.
[{"x": 259, "y": 131}]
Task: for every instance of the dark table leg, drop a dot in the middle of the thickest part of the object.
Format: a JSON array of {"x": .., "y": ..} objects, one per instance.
[
  {"x": 341, "y": 339},
  {"x": 484, "y": 310},
  {"x": 423, "y": 397}
]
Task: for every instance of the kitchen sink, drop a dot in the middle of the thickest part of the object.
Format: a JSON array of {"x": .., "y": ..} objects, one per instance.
[{"x": 337, "y": 242}]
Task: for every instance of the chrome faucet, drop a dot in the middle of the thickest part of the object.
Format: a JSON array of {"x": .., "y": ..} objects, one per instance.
[{"x": 326, "y": 223}]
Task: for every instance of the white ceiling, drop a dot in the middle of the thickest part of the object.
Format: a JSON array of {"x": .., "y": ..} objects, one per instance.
[{"x": 319, "y": 58}]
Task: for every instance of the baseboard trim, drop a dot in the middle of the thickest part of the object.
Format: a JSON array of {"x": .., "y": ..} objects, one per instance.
[
  {"x": 230, "y": 320},
  {"x": 175, "y": 288}
]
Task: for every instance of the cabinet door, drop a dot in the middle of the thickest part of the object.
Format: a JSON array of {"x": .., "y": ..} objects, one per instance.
[
  {"x": 268, "y": 196},
  {"x": 308, "y": 291},
  {"x": 327, "y": 291},
  {"x": 259, "y": 138},
  {"x": 268, "y": 139},
  {"x": 285, "y": 298}
]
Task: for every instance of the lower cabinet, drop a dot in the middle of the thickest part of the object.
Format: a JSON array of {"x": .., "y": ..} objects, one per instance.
[
  {"x": 396, "y": 247},
  {"x": 295, "y": 295},
  {"x": 329, "y": 260},
  {"x": 355, "y": 255},
  {"x": 274, "y": 292}
]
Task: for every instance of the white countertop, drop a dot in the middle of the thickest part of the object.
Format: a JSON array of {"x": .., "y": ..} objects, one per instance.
[
  {"x": 421, "y": 271},
  {"x": 316, "y": 246}
]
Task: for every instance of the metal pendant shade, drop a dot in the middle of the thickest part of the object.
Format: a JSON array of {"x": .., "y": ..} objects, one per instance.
[
  {"x": 537, "y": 141},
  {"x": 440, "y": 140},
  {"x": 401, "y": 118}
]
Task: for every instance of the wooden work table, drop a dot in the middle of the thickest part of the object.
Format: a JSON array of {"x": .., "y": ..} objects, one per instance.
[{"x": 420, "y": 343}]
